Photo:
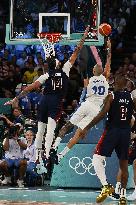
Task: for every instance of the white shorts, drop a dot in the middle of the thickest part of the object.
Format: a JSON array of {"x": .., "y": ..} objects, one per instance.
[{"x": 85, "y": 114}]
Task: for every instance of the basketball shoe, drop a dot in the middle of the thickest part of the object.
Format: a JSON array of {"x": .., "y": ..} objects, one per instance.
[
  {"x": 122, "y": 201},
  {"x": 114, "y": 196},
  {"x": 132, "y": 197},
  {"x": 54, "y": 157},
  {"x": 106, "y": 191}
]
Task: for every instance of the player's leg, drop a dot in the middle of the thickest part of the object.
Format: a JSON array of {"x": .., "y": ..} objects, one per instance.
[
  {"x": 122, "y": 150},
  {"x": 69, "y": 125},
  {"x": 132, "y": 161},
  {"x": 62, "y": 133},
  {"x": 74, "y": 140},
  {"x": 107, "y": 189},
  {"x": 75, "y": 119},
  {"x": 39, "y": 140},
  {"x": 81, "y": 118},
  {"x": 134, "y": 169},
  {"x": 132, "y": 197},
  {"x": 51, "y": 126},
  {"x": 116, "y": 194},
  {"x": 118, "y": 184},
  {"x": 103, "y": 149},
  {"x": 42, "y": 122},
  {"x": 98, "y": 163},
  {"x": 124, "y": 178}
]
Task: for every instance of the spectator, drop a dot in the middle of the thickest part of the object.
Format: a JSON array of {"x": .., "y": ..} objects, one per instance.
[
  {"x": 22, "y": 59},
  {"x": 13, "y": 147},
  {"x": 40, "y": 63},
  {"x": 45, "y": 69},
  {"x": 29, "y": 75},
  {"x": 30, "y": 156},
  {"x": 31, "y": 61},
  {"x": 13, "y": 60},
  {"x": 130, "y": 85},
  {"x": 39, "y": 73}
]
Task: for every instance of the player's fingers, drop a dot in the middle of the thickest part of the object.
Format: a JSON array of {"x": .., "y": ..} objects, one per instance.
[{"x": 8, "y": 103}]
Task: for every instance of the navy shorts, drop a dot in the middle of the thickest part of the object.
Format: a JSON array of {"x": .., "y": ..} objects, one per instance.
[
  {"x": 50, "y": 106},
  {"x": 13, "y": 162},
  {"x": 114, "y": 139}
]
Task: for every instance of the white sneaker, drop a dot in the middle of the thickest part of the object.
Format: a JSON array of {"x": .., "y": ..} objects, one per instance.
[
  {"x": 6, "y": 181},
  {"x": 132, "y": 197},
  {"x": 41, "y": 168},
  {"x": 20, "y": 183}
]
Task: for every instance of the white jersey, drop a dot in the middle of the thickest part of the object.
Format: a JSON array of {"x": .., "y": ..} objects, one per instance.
[
  {"x": 15, "y": 151},
  {"x": 30, "y": 153},
  {"x": 97, "y": 89}
]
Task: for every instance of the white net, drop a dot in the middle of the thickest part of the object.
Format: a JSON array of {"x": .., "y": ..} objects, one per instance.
[{"x": 48, "y": 44}]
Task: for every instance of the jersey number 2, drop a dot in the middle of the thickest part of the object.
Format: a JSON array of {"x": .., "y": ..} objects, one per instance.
[
  {"x": 123, "y": 111},
  {"x": 100, "y": 90}
]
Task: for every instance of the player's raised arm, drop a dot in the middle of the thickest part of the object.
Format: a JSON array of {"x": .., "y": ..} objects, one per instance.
[
  {"x": 28, "y": 89},
  {"x": 79, "y": 46},
  {"x": 107, "y": 68}
]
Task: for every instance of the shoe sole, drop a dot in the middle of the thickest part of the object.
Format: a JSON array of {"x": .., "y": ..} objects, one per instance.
[
  {"x": 122, "y": 203},
  {"x": 114, "y": 199},
  {"x": 102, "y": 197}
]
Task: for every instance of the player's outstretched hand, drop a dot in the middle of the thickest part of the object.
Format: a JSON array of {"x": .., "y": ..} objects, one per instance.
[
  {"x": 86, "y": 31},
  {"x": 79, "y": 46},
  {"x": 13, "y": 102}
]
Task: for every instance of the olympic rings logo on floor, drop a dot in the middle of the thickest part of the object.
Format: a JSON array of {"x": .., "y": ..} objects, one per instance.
[{"x": 82, "y": 166}]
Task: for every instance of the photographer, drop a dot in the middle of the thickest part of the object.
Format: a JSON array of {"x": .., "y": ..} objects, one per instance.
[{"x": 13, "y": 147}]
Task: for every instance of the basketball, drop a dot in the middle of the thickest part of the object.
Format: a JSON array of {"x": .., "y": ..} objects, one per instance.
[{"x": 105, "y": 29}]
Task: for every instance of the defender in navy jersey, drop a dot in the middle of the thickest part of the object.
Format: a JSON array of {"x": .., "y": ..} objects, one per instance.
[
  {"x": 55, "y": 82},
  {"x": 119, "y": 105}
]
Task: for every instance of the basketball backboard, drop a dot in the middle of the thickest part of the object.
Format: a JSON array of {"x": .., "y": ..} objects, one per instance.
[{"x": 68, "y": 17}]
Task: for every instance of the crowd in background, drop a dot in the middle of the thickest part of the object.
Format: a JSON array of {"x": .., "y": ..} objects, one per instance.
[{"x": 21, "y": 65}]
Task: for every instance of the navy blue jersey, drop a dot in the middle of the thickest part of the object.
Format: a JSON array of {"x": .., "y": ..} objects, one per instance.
[
  {"x": 56, "y": 83},
  {"x": 121, "y": 110}
]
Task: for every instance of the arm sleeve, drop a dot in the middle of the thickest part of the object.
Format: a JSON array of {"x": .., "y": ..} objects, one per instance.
[
  {"x": 133, "y": 93},
  {"x": 66, "y": 68},
  {"x": 43, "y": 78}
]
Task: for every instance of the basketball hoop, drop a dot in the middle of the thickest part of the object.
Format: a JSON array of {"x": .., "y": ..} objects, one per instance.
[
  {"x": 48, "y": 41},
  {"x": 51, "y": 37}
]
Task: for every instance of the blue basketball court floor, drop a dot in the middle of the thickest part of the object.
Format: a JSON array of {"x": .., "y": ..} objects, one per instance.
[{"x": 51, "y": 196}]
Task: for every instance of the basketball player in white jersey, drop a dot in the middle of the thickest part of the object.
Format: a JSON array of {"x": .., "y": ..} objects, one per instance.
[{"x": 97, "y": 90}]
